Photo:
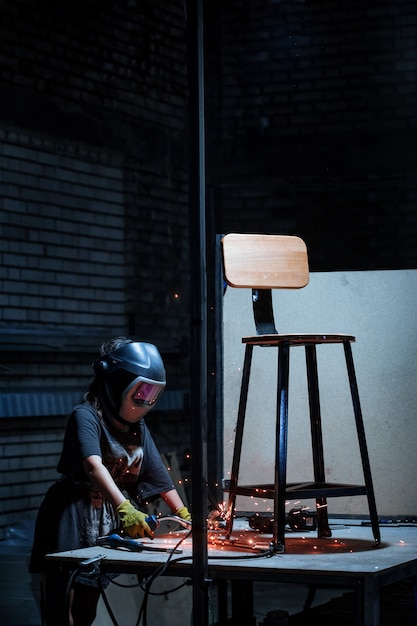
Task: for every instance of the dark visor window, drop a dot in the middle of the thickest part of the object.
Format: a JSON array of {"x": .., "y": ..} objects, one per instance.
[{"x": 145, "y": 393}]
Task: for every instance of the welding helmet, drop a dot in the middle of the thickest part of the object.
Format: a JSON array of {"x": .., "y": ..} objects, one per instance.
[{"x": 130, "y": 380}]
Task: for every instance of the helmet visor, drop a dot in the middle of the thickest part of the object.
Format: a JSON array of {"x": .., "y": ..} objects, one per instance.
[{"x": 144, "y": 393}]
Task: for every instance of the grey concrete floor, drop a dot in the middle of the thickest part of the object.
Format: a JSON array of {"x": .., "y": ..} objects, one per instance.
[{"x": 18, "y": 606}]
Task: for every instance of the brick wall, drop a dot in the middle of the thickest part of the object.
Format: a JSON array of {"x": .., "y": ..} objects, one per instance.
[
  {"x": 106, "y": 84},
  {"x": 63, "y": 253},
  {"x": 311, "y": 128},
  {"x": 29, "y": 452},
  {"x": 93, "y": 193},
  {"x": 319, "y": 124}
]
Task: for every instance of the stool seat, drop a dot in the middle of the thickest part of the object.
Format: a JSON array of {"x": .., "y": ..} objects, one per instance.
[
  {"x": 262, "y": 263},
  {"x": 299, "y": 339}
]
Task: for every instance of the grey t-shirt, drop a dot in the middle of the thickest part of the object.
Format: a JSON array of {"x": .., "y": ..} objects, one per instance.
[{"x": 132, "y": 458}]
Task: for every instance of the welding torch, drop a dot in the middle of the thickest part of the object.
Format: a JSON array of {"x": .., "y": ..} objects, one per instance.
[{"x": 116, "y": 540}]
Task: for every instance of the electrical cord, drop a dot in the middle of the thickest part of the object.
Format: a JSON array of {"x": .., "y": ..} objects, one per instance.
[
  {"x": 147, "y": 583},
  {"x": 262, "y": 554},
  {"x": 121, "y": 585},
  {"x": 158, "y": 572},
  {"x": 161, "y": 570},
  {"x": 107, "y": 603},
  {"x": 166, "y": 592},
  {"x": 66, "y": 606},
  {"x": 70, "y": 585}
]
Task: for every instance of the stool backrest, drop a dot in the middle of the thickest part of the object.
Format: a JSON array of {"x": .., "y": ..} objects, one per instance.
[{"x": 262, "y": 263}]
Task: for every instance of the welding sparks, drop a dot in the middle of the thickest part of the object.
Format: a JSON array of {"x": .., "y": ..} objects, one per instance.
[{"x": 218, "y": 516}]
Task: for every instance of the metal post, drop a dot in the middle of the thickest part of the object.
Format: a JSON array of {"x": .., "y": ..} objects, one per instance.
[{"x": 198, "y": 311}]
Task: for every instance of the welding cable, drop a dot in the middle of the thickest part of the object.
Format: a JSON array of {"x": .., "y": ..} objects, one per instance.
[
  {"x": 147, "y": 584},
  {"x": 145, "y": 588},
  {"x": 81, "y": 569},
  {"x": 270, "y": 551},
  {"x": 107, "y": 603},
  {"x": 241, "y": 557},
  {"x": 69, "y": 586},
  {"x": 66, "y": 605},
  {"x": 166, "y": 592},
  {"x": 158, "y": 572},
  {"x": 117, "y": 584},
  {"x": 161, "y": 570}
]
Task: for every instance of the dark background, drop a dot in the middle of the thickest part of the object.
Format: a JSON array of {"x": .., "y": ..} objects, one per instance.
[{"x": 310, "y": 124}]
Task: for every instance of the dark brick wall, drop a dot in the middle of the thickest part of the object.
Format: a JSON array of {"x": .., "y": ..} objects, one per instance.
[
  {"x": 103, "y": 85},
  {"x": 319, "y": 127},
  {"x": 310, "y": 129},
  {"x": 94, "y": 213}
]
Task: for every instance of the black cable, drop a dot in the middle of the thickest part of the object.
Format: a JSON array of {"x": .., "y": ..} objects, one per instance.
[
  {"x": 69, "y": 586},
  {"x": 166, "y": 592},
  {"x": 106, "y": 602},
  {"x": 144, "y": 607},
  {"x": 117, "y": 584},
  {"x": 264, "y": 553},
  {"x": 66, "y": 608},
  {"x": 160, "y": 570},
  {"x": 148, "y": 583}
]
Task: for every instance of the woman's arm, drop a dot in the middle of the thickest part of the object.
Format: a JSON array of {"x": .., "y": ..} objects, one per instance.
[
  {"x": 134, "y": 522},
  {"x": 172, "y": 499},
  {"x": 101, "y": 478}
]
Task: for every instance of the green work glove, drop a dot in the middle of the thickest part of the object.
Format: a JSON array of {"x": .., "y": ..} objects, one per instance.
[
  {"x": 133, "y": 521},
  {"x": 184, "y": 513}
]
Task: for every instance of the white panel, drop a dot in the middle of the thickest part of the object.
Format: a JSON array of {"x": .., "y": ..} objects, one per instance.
[
  {"x": 164, "y": 607},
  {"x": 379, "y": 309}
]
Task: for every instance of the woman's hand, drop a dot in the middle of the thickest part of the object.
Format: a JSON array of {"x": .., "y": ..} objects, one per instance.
[{"x": 133, "y": 521}]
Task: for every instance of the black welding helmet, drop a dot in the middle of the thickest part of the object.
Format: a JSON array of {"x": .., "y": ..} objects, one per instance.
[{"x": 130, "y": 380}]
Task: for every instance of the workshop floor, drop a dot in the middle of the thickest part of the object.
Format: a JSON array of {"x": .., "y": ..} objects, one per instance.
[
  {"x": 17, "y": 602},
  {"x": 18, "y": 606}
]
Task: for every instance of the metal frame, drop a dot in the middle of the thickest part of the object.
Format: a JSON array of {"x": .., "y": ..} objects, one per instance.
[{"x": 319, "y": 489}]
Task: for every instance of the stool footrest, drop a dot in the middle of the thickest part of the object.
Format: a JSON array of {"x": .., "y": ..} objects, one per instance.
[{"x": 301, "y": 490}]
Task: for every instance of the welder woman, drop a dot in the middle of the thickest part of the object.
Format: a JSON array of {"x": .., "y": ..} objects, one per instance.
[{"x": 110, "y": 469}]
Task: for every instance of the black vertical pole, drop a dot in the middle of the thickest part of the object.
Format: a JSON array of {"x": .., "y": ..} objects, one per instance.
[{"x": 198, "y": 311}]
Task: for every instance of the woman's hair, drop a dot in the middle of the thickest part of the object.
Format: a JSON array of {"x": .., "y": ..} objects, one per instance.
[
  {"x": 113, "y": 344},
  {"x": 108, "y": 346}
]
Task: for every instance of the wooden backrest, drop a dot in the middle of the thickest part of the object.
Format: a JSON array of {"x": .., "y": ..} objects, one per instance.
[{"x": 265, "y": 261}]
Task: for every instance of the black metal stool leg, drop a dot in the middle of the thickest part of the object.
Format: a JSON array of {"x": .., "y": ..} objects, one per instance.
[
  {"x": 242, "y": 603},
  {"x": 278, "y": 528},
  {"x": 362, "y": 442},
  {"x": 222, "y": 597},
  {"x": 238, "y": 439},
  {"x": 323, "y": 528}
]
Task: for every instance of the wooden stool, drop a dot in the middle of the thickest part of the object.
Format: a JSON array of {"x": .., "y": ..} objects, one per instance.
[{"x": 263, "y": 263}]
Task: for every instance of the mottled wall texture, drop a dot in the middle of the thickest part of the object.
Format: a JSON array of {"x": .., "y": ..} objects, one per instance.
[{"x": 310, "y": 129}]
